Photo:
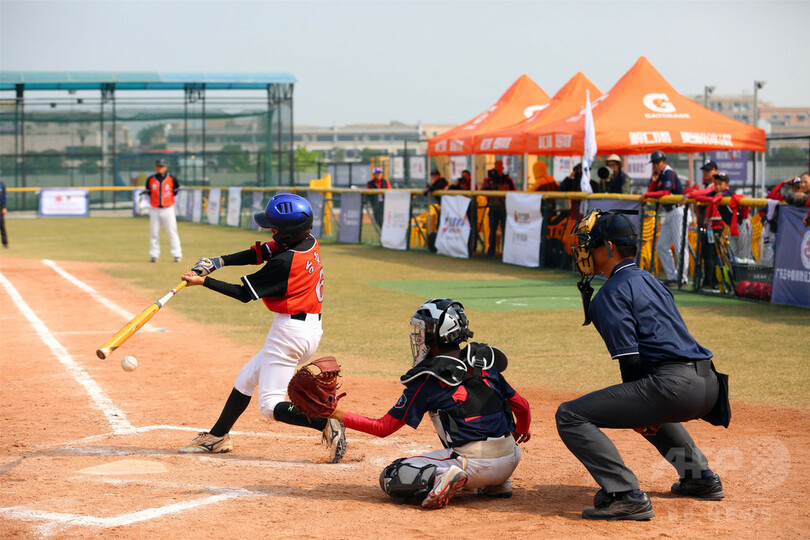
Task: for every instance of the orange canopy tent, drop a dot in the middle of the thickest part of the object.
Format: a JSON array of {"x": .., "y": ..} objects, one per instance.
[
  {"x": 642, "y": 113},
  {"x": 522, "y": 100},
  {"x": 519, "y": 138}
]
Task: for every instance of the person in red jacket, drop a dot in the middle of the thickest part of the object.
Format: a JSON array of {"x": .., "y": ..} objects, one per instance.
[
  {"x": 470, "y": 405},
  {"x": 161, "y": 189}
]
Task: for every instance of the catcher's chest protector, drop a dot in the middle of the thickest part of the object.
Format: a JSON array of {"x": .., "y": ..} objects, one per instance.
[{"x": 481, "y": 400}]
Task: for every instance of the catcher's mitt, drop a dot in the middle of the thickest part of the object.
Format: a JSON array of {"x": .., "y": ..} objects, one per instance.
[{"x": 313, "y": 388}]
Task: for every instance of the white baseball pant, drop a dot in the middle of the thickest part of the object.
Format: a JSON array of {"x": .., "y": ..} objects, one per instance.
[
  {"x": 480, "y": 471},
  {"x": 289, "y": 342},
  {"x": 741, "y": 245},
  {"x": 164, "y": 217},
  {"x": 670, "y": 236}
]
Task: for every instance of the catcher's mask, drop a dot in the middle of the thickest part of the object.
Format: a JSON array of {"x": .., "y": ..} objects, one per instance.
[
  {"x": 592, "y": 231},
  {"x": 440, "y": 321}
]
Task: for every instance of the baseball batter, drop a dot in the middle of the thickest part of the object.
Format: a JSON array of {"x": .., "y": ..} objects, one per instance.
[
  {"x": 470, "y": 404},
  {"x": 667, "y": 377},
  {"x": 291, "y": 285},
  {"x": 666, "y": 182}
]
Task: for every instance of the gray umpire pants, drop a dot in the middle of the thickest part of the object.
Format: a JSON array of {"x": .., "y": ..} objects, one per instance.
[{"x": 675, "y": 393}]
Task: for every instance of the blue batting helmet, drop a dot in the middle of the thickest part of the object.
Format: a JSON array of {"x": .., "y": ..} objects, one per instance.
[{"x": 289, "y": 214}]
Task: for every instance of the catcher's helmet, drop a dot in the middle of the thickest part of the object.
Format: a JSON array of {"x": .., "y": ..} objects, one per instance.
[
  {"x": 658, "y": 155},
  {"x": 594, "y": 230},
  {"x": 289, "y": 214},
  {"x": 440, "y": 321}
]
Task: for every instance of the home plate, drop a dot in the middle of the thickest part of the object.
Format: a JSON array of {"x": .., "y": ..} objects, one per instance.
[{"x": 126, "y": 466}]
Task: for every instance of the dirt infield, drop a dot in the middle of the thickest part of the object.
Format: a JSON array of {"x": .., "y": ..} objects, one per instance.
[{"x": 89, "y": 450}]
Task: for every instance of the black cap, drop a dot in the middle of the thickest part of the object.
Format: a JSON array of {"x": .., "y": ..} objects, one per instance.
[
  {"x": 658, "y": 155},
  {"x": 435, "y": 172},
  {"x": 709, "y": 165},
  {"x": 161, "y": 162},
  {"x": 723, "y": 176},
  {"x": 616, "y": 227}
]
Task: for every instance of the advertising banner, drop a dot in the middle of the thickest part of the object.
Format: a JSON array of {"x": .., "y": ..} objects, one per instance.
[
  {"x": 140, "y": 202},
  {"x": 791, "y": 266},
  {"x": 212, "y": 212},
  {"x": 638, "y": 167},
  {"x": 256, "y": 205},
  {"x": 316, "y": 202},
  {"x": 351, "y": 216},
  {"x": 397, "y": 216},
  {"x": 416, "y": 166},
  {"x": 64, "y": 203},
  {"x": 234, "y": 215},
  {"x": 633, "y": 208},
  {"x": 457, "y": 164},
  {"x": 563, "y": 166},
  {"x": 196, "y": 205},
  {"x": 524, "y": 225},
  {"x": 453, "y": 235},
  {"x": 181, "y": 204},
  {"x": 732, "y": 162},
  {"x": 398, "y": 168}
]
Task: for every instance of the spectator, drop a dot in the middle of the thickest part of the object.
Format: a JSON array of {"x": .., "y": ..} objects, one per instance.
[
  {"x": 573, "y": 181},
  {"x": 736, "y": 219},
  {"x": 463, "y": 183},
  {"x": 799, "y": 195},
  {"x": 709, "y": 169},
  {"x": 497, "y": 180},
  {"x": 3, "y": 211},
  {"x": 161, "y": 189},
  {"x": 377, "y": 201},
  {"x": 542, "y": 180},
  {"x": 619, "y": 181},
  {"x": 437, "y": 182},
  {"x": 665, "y": 181}
]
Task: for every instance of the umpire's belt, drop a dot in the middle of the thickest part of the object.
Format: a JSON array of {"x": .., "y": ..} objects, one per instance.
[
  {"x": 493, "y": 448},
  {"x": 305, "y": 316},
  {"x": 702, "y": 367}
]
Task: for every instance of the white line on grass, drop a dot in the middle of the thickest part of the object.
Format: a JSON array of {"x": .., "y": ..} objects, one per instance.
[
  {"x": 55, "y": 519},
  {"x": 115, "y": 416},
  {"x": 109, "y": 304}
]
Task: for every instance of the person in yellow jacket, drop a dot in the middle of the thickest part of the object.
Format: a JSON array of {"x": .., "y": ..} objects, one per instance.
[{"x": 542, "y": 180}]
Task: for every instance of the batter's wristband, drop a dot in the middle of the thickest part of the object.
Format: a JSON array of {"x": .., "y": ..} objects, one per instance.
[{"x": 258, "y": 249}]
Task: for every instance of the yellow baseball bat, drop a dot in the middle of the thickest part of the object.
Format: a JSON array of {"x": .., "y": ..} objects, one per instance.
[{"x": 136, "y": 323}]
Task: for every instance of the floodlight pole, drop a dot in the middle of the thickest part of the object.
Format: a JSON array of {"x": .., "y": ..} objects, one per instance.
[
  {"x": 707, "y": 91},
  {"x": 757, "y": 86}
]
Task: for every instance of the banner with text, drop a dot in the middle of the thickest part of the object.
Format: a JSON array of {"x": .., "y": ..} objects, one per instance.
[
  {"x": 563, "y": 165},
  {"x": 638, "y": 167},
  {"x": 416, "y": 167},
  {"x": 397, "y": 215},
  {"x": 351, "y": 215},
  {"x": 140, "y": 202},
  {"x": 316, "y": 202},
  {"x": 64, "y": 203},
  {"x": 181, "y": 204},
  {"x": 453, "y": 235},
  {"x": 631, "y": 209},
  {"x": 791, "y": 265},
  {"x": 398, "y": 168},
  {"x": 234, "y": 215},
  {"x": 212, "y": 211},
  {"x": 732, "y": 162},
  {"x": 524, "y": 225},
  {"x": 196, "y": 206}
]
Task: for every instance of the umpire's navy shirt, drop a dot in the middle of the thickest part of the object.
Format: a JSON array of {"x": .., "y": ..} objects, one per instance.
[{"x": 636, "y": 314}]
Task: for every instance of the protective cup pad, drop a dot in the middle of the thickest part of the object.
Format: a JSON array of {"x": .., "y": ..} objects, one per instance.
[{"x": 405, "y": 481}]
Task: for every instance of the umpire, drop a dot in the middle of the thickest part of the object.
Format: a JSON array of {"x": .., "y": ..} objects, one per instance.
[{"x": 668, "y": 377}]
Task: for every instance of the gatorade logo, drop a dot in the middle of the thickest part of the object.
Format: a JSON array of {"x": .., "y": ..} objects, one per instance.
[
  {"x": 531, "y": 110},
  {"x": 659, "y": 103}
]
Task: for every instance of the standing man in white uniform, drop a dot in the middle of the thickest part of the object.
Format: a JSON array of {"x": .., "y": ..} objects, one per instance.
[{"x": 162, "y": 188}]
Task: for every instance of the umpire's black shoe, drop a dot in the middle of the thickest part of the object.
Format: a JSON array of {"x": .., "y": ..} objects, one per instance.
[
  {"x": 620, "y": 506},
  {"x": 708, "y": 489}
]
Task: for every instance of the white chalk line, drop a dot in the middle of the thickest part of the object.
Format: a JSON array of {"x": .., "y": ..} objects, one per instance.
[
  {"x": 112, "y": 306},
  {"x": 55, "y": 519},
  {"x": 115, "y": 416}
]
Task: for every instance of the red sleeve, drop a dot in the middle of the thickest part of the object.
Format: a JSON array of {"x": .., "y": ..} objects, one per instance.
[
  {"x": 774, "y": 193},
  {"x": 694, "y": 191},
  {"x": 523, "y": 416},
  {"x": 656, "y": 194},
  {"x": 379, "y": 427}
]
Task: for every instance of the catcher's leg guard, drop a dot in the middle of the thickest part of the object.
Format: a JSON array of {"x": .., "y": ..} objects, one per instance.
[{"x": 406, "y": 481}]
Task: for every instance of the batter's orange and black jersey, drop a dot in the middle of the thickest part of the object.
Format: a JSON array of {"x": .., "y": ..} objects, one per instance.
[{"x": 291, "y": 281}]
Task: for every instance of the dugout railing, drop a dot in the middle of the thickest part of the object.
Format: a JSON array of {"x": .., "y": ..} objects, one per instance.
[{"x": 560, "y": 211}]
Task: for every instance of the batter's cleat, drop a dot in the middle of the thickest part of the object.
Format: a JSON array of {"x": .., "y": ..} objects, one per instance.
[
  {"x": 334, "y": 435},
  {"x": 708, "y": 489},
  {"x": 178, "y": 259},
  {"x": 501, "y": 491},
  {"x": 152, "y": 259},
  {"x": 620, "y": 506},
  {"x": 447, "y": 485},
  {"x": 205, "y": 442}
]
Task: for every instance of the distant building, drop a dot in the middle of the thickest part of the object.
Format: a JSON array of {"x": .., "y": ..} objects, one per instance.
[
  {"x": 787, "y": 120},
  {"x": 739, "y": 107}
]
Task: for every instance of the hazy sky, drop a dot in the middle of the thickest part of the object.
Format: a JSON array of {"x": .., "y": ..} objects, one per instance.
[{"x": 435, "y": 62}]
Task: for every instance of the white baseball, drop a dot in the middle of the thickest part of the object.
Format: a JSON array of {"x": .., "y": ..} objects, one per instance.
[{"x": 129, "y": 363}]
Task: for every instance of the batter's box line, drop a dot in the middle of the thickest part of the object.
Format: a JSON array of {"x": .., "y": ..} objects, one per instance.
[{"x": 57, "y": 521}]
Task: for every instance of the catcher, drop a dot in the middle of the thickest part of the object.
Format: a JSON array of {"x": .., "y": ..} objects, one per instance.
[{"x": 469, "y": 403}]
